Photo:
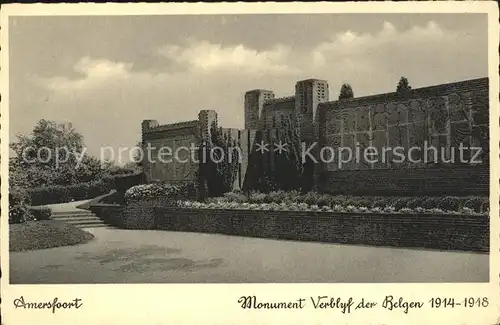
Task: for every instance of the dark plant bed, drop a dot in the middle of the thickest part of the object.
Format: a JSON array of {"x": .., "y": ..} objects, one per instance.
[{"x": 33, "y": 235}]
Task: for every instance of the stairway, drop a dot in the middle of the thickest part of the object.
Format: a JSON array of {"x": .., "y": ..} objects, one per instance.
[{"x": 79, "y": 218}]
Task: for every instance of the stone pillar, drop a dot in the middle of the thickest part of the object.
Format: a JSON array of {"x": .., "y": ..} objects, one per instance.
[
  {"x": 146, "y": 127},
  {"x": 254, "y": 103}
]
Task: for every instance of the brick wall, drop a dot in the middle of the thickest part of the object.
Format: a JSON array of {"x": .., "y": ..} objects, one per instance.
[
  {"x": 444, "y": 116},
  {"x": 112, "y": 214},
  {"x": 445, "y": 232},
  {"x": 462, "y": 180},
  {"x": 139, "y": 214}
]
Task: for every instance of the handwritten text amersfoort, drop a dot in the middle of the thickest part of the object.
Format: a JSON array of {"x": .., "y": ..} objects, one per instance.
[{"x": 53, "y": 304}]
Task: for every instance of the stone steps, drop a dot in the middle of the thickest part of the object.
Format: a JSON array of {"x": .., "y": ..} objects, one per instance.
[{"x": 79, "y": 219}]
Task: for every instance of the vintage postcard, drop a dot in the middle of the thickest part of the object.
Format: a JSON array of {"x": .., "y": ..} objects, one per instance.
[{"x": 266, "y": 163}]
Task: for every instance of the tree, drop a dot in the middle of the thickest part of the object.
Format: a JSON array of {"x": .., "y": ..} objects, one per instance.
[
  {"x": 47, "y": 155},
  {"x": 403, "y": 86},
  {"x": 346, "y": 92},
  {"x": 47, "y": 137},
  {"x": 53, "y": 154}
]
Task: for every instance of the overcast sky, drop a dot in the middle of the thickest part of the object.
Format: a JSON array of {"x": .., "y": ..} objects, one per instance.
[{"x": 107, "y": 74}]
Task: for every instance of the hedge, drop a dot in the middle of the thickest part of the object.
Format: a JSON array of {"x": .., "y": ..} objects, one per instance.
[
  {"x": 41, "y": 213},
  {"x": 177, "y": 190},
  {"x": 59, "y": 194}
]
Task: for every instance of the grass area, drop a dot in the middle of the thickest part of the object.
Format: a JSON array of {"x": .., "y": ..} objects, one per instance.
[{"x": 33, "y": 235}]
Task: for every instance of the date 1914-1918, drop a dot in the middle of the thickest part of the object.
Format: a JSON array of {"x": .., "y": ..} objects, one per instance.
[{"x": 467, "y": 302}]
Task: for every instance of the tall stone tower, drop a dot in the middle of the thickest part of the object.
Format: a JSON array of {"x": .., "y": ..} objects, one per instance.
[
  {"x": 308, "y": 94},
  {"x": 208, "y": 120},
  {"x": 146, "y": 126},
  {"x": 254, "y": 102}
]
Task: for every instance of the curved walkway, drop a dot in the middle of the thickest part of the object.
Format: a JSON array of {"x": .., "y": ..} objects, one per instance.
[
  {"x": 64, "y": 207},
  {"x": 144, "y": 256}
]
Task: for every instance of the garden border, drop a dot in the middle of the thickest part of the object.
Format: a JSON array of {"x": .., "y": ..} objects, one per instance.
[{"x": 456, "y": 232}]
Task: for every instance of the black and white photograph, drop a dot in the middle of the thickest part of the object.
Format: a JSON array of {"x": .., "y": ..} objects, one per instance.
[{"x": 251, "y": 148}]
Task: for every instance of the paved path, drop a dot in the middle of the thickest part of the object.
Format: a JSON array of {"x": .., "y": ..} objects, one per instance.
[
  {"x": 142, "y": 256},
  {"x": 65, "y": 207}
]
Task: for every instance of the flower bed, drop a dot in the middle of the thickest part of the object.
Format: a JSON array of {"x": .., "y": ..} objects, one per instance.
[{"x": 294, "y": 201}]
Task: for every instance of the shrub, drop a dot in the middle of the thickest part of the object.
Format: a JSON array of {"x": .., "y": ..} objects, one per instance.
[
  {"x": 382, "y": 202},
  {"x": 236, "y": 197},
  {"x": 359, "y": 201},
  {"x": 474, "y": 203},
  {"x": 165, "y": 189},
  {"x": 124, "y": 182},
  {"x": 325, "y": 200},
  {"x": 292, "y": 196},
  {"x": 485, "y": 205},
  {"x": 337, "y": 201},
  {"x": 431, "y": 202},
  {"x": 42, "y": 213},
  {"x": 256, "y": 197},
  {"x": 19, "y": 214},
  {"x": 18, "y": 205},
  {"x": 449, "y": 203},
  {"x": 58, "y": 193},
  {"x": 400, "y": 203},
  {"x": 416, "y": 202},
  {"x": 311, "y": 198},
  {"x": 278, "y": 196}
]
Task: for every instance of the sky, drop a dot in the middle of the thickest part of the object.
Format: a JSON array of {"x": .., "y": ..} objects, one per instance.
[{"x": 105, "y": 74}]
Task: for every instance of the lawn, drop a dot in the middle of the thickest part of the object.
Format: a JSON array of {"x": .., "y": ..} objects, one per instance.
[{"x": 33, "y": 235}]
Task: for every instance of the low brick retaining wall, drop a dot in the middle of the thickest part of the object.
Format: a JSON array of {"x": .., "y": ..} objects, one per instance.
[
  {"x": 111, "y": 214},
  {"x": 136, "y": 214},
  {"x": 445, "y": 232},
  {"x": 140, "y": 214}
]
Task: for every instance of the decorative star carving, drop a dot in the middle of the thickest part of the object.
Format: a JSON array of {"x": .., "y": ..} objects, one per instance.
[
  {"x": 262, "y": 147},
  {"x": 280, "y": 147}
]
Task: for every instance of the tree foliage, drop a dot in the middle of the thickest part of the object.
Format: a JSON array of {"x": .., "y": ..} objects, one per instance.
[
  {"x": 50, "y": 155},
  {"x": 53, "y": 155},
  {"x": 286, "y": 172},
  {"x": 346, "y": 92},
  {"x": 403, "y": 86},
  {"x": 219, "y": 163}
]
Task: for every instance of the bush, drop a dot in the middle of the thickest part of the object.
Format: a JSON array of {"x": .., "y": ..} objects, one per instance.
[
  {"x": 416, "y": 202},
  {"x": 400, "y": 203},
  {"x": 485, "y": 205},
  {"x": 311, "y": 198},
  {"x": 474, "y": 203},
  {"x": 359, "y": 201},
  {"x": 19, "y": 214},
  {"x": 325, "y": 201},
  {"x": 450, "y": 203},
  {"x": 256, "y": 197},
  {"x": 58, "y": 193},
  {"x": 124, "y": 182},
  {"x": 278, "y": 197},
  {"x": 182, "y": 190},
  {"x": 18, "y": 205},
  {"x": 42, "y": 213},
  {"x": 382, "y": 202},
  {"x": 431, "y": 202},
  {"x": 236, "y": 197}
]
